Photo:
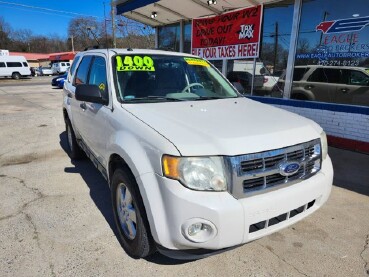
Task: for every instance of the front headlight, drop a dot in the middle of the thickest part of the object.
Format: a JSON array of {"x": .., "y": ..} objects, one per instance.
[
  {"x": 198, "y": 173},
  {"x": 323, "y": 140},
  {"x": 59, "y": 79}
]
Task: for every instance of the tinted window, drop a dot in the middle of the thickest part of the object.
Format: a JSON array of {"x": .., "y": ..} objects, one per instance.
[
  {"x": 82, "y": 71},
  {"x": 14, "y": 64},
  {"x": 325, "y": 75},
  {"x": 2, "y": 65},
  {"x": 25, "y": 64},
  {"x": 74, "y": 64},
  {"x": 98, "y": 75},
  {"x": 62, "y": 64},
  {"x": 68, "y": 64},
  {"x": 298, "y": 73},
  {"x": 358, "y": 78}
]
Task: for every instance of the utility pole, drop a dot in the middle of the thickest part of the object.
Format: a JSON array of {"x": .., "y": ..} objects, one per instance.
[
  {"x": 106, "y": 32},
  {"x": 72, "y": 41},
  {"x": 276, "y": 34},
  {"x": 113, "y": 23}
]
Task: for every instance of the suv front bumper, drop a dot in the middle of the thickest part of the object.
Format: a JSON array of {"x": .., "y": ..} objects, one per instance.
[{"x": 234, "y": 219}]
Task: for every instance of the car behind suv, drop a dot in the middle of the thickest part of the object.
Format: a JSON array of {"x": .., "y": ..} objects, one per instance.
[
  {"x": 346, "y": 85},
  {"x": 193, "y": 166}
]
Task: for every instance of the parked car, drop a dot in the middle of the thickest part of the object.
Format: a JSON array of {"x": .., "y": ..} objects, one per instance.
[
  {"x": 59, "y": 80},
  {"x": 60, "y": 67},
  {"x": 242, "y": 80},
  {"x": 45, "y": 71},
  {"x": 193, "y": 166},
  {"x": 35, "y": 71},
  {"x": 14, "y": 66},
  {"x": 345, "y": 85}
]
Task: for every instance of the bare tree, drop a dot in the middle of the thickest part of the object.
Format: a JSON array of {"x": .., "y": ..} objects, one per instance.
[{"x": 86, "y": 31}]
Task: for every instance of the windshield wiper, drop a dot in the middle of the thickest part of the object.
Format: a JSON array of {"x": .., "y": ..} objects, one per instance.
[{"x": 151, "y": 97}]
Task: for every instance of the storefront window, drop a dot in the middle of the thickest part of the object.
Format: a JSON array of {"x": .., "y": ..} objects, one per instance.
[
  {"x": 275, "y": 43},
  {"x": 332, "y": 57},
  {"x": 169, "y": 37},
  {"x": 187, "y": 37}
]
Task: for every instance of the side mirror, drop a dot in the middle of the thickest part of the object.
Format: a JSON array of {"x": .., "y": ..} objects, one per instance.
[{"x": 90, "y": 93}]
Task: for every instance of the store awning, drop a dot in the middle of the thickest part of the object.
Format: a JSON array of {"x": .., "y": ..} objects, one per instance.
[{"x": 172, "y": 11}]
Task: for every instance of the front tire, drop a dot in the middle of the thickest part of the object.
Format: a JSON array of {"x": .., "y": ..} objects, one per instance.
[
  {"x": 75, "y": 152},
  {"x": 130, "y": 215}
]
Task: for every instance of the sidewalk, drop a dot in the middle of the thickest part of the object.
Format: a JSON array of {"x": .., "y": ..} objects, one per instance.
[{"x": 351, "y": 170}]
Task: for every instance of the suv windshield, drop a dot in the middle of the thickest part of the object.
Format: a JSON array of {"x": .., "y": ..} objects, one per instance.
[{"x": 153, "y": 78}]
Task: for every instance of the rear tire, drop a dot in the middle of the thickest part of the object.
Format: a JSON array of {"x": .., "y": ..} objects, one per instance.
[
  {"x": 75, "y": 152},
  {"x": 16, "y": 76},
  {"x": 130, "y": 215}
]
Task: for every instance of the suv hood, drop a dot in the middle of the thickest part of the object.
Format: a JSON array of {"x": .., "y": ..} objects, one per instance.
[{"x": 225, "y": 126}]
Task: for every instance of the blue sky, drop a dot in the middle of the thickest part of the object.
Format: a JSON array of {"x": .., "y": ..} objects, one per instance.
[{"x": 42, "y": 22}]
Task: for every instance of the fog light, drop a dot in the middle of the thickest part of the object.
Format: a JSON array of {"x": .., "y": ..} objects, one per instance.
[{"x": 196, "y": 231}]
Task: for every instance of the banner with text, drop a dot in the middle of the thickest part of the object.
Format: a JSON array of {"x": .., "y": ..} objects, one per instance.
[{"x": 232, "y": 35}]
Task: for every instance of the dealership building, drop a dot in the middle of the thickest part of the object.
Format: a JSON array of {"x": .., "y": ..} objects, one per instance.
[{"x": 313, "y": 55}]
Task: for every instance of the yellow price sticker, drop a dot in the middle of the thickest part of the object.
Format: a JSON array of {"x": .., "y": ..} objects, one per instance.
[
  {"x": 194, "y": 61},
  {"x": 135, "y": 63}
]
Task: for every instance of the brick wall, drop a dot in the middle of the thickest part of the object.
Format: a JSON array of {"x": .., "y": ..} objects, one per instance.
[{"x": 346, "y": 126}]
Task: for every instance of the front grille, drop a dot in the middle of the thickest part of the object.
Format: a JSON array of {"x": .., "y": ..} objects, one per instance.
[{"x": 264, "y": 170}]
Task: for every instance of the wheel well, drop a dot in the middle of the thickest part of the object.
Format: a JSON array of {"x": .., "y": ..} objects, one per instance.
[
  {"x": 65, "y": 115},
  {"x": 116, "y": 161},
  {"x": 299, "y": 96}
]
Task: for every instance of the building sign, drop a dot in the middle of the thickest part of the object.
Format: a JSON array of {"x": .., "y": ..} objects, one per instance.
[
  {"x": 232, "y": 35},
  {"x": 342, "y": 42}
]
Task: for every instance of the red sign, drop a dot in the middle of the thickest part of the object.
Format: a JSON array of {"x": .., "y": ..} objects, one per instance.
[{"x": 232, "y": 35}]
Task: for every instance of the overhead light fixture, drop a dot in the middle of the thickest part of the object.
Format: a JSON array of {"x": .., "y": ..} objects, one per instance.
[
  {"x": 212, "y": 2},
  {"x": 154, "y": 14}
]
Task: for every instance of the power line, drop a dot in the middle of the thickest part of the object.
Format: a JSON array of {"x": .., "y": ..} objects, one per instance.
[{"x": 47, "y": 9}]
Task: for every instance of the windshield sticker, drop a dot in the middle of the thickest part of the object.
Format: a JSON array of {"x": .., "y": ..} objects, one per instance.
[
  {"x": 136, "y": 63},
  {"x": 194, "y": 61}
]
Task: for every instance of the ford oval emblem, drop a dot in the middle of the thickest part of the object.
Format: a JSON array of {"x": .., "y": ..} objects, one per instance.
[{"x": 289, "y": 168}]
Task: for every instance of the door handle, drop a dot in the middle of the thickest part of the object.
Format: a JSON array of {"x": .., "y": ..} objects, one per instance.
[
  {"x": 83, "y": 106},
  {"x": 309, "y": 87},
  {"x": 345, "y": 90}
]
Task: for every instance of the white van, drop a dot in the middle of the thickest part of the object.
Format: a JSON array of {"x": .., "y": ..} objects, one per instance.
[
  {"x": 14, "y": 66},
  {"x": 60, "y": 67}
]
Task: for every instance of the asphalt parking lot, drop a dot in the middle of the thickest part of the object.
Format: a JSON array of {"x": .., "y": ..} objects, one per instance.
[{"x": 56, "y": 218}]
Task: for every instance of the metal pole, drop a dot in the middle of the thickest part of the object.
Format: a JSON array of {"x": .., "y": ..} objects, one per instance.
[
  {"x": 293, "y": 47},
  {"x": 113, "y": 23},
  {"x": 253, "y": 77},
  {"x": 72, "y": 41}
]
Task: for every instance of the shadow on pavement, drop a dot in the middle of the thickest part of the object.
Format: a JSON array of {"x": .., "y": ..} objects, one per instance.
[
  {"x": 351, "y": 170},
  {"x": 100, "y": 194}
]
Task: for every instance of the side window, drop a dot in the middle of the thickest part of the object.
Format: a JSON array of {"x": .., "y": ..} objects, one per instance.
[
  {"x": 98, "y": 75},
  {"x": 25, "y": 64},
  {"x": 82, "y": 71},
  {"x": 62, "y": 64},
  {"x": 14, "y": 64},
  {"x": 318, "y": 76},
  {"x": 358, "y": 78},
  {"x": 2, "y": 65},
  {"x": 299, "y": 73}
]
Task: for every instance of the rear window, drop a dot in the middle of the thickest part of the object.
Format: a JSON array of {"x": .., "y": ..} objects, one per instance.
[
  {"x": 2, "y": 65},
  {"x": 25, "y": 64},
  {"x": 299, "y": 73},
  {"x": 14, "y": 64}
]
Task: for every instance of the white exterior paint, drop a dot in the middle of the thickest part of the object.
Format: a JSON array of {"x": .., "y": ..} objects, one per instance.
[{"x": 141, "y": 133}]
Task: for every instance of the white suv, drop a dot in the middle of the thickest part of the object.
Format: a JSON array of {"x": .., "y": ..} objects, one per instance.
[
  {"x": 193, "y": 166},
  {"x": 60, "y": 67}
]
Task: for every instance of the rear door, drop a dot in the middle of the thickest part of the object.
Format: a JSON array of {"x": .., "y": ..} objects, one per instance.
[{"x": 354, "y": 88}]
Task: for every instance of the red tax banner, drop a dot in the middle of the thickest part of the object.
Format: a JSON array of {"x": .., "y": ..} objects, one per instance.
[{"x": 232, "y": 35}]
